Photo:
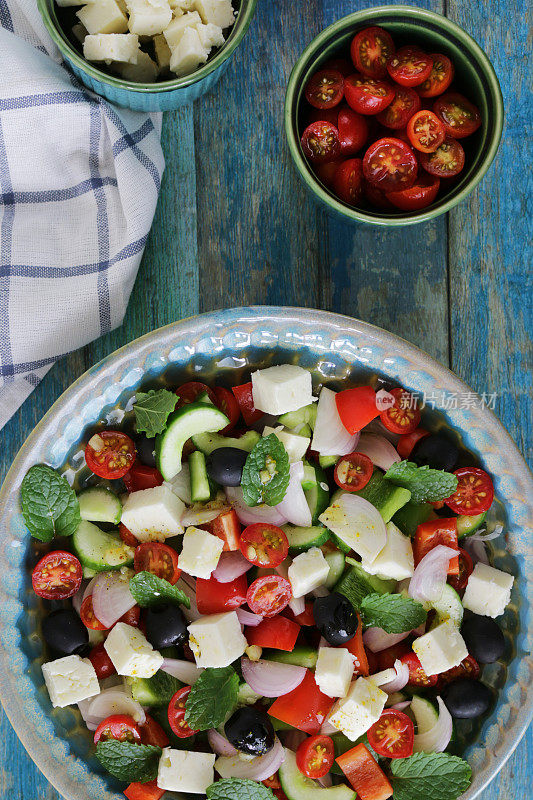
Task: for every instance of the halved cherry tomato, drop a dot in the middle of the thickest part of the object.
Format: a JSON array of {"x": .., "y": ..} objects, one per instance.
[
  {"x": 272, "y": 782},
  {"x": 144, "y": 791},
  {"x": 466, "y": 567},
  {"x": 352, "y": 472},
  {"x": 228, "y": 528},
  {"x": 244, "y": 397},
  {"x": 407, "y": 441},
  {"x": 127, "y": 536},
  {"x": 320, "y": 142},
  {"x": 305, "y": 708},
  {"x": 356, "y": 407},
  {"x": 440, "y": 77},
  {"x": 225, "y": 401},
  {"x": 278, "y": 633},
  {"x": 474, "y": 493},
  {"x": 404, "y": 415},
  {"x": 417, "y": 676},
  {"x": 420, "y": 195},
  {"x": 213, "y": 597},
  {"x": 434, "y": 532},
  {"x": 57, "y": 575},
  {"x": 142, "y": 477},
  {"x": 131, "y": 617},
  {"x": 159, "y": 559},
  {"x": 367, "y": 95},
  {"x": 348, "y": 181},
  {"x": 103, "y": 666},
  {"x": 353, "y": 130},
  {"x": 370, "y": 50},
  {"x": 176, "y": 714},
  {"x": 406, "y": 103},
  {"x": 324, "y": 115},
  {"x": 468, "y": 668},
  {"x": 119, "y": 727},
  {"x": 325, "y": 89},
  {"x": 386, "y": 658},
  {"x": 315, "y": 755},
  {"x": 447, "y": 160},
  {"x": 459, "y": 116},
  {"x": 269, "y": 595},
  {"x": 88, "y": 617},
  {"x": 425, "y": 131},
  {"x": 326, "y": 172},
  {"x": 110, "y": 454},
  {"x": 392, "y": 736},
  {"x": 410, "y": 66},
  {"x": 191, "y": 391},
  {"x": 390, "y": 165},
  {"x": 376, "y": 197},
  {"x": 364, "y": 774},
  {"x": 264, "y": 545},
  {"x": 152, "y": 733}
]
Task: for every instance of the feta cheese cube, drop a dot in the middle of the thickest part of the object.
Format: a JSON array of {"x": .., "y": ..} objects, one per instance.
[
  {"x": 175, "y": 30},
  {"x": 334, "y": 671},
  {"x": 180, "y": 6},
  {"x": 488, "y": 591},
  {"x": 440, "y": 649},
  {"x": 144, "y": 71},
  {"x": 359, "y": 710},
  {"x": 354, "y": 520},
  {"x": 210, "y": 35},
  {"x": 276, "y": 390},
  {"x": 80, "y": 32},
  {"x": 131, "y": 653},
  {"x": 395, "y": 560},
  {"x": 103, "y": 16},
  {"x": 188, "y": 54},
  {"x": 295, "y": 445},
  {"x": 308, "y": 571},
  {"x": 219, "y": 12},
  {"x": 201, "y": 552},
  {"x": 70, "y": 680},
  {"x": 217, "y": 639},
  {"x": 153, "y": 514},
  {"x": 148, "y": 17},
  {"x": 162, "y": 56},
  {"x": 185, "y": 771},
  {"x": 108, "y": 47}
]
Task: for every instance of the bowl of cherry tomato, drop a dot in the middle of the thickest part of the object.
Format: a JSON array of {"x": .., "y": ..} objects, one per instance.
[{"x": 393, "y": 115}]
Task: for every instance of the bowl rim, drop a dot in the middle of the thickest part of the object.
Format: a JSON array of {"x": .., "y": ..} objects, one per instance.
[
  {"x": 238, "y": 30},
  {"x": 313, "y": 49},
  {"x": 41, "y": 749}
]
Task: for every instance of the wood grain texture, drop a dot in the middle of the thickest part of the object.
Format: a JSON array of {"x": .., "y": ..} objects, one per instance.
[{"x": 234, "y": 225}]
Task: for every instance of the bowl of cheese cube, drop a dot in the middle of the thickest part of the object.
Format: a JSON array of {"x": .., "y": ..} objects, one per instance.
[{"x": 148, "y": 55}]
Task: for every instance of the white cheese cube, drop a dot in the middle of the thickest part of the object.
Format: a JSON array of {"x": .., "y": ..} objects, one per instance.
[
  {"x": 354, "y": 520},
  {"x": 144, "y": 71},
  {"x": 108, "y": 47},
  {"x": 308, "y": 571},
  {"x": 201, "y": 552},
  {"x": 383, "y": 677},
  {"x": 185, "y": 771},
  {"x": 188, "y": 54},
  {"x": 162, "y": 56},
  {"x": 153, "y": 514},
  {"x": 488, "y": 591},
  {"x": 440, "y": 649},
  {"x": 334, "y": 671},
  {"x": 131, "y": 653},
  {"x": 359, "y": 710},
  {"x": 180, "y": 6},
  {"x": 210, "y": 35},
  {"x": 148, "y": 17},
  {"x": 70, "y": 680},
  {"x": 175, "y": 30},
  {"x": 295, "y": 445},
  {"x": 218, "y": 12},
  {"x": 103, "y": 16},
  {"x": 217, "y": 639},
  {"x": 396, "y": 559},
  {"x": 80, "y": 32},
  {"x": 277, "y": 390}
]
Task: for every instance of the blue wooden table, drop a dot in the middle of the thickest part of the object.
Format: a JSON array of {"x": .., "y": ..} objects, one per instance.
[{"x": 234, "y": 226}]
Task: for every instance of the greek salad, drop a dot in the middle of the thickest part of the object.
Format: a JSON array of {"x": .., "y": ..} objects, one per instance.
[{"x": 260, "y": 592}]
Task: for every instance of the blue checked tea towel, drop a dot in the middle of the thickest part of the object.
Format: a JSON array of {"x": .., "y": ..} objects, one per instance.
[{"x": 79, "y": 181}]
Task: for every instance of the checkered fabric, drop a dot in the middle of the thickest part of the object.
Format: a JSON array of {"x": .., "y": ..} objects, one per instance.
[{"x": 79, "y": 181}]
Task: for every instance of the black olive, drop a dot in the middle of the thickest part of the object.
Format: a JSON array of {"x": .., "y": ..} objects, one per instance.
[
  {"x": 64, "y": 631},
  {"x": 466, "y": 699},
  {"x": 145, "y": 450},
  {"x": 250, "y": 731},
  {"x": 335, "y": 618},
  {"x": 224, "y": 466},
  {"x": 165, "y": 626},
  {"x": 484, "y": 638},
  {"x": 435, "y": 451}
]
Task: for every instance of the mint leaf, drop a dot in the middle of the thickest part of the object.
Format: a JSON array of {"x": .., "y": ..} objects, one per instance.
[
  {"x": 149, "y": 590},
  {"x": 433, "y": 776},
  {"x": 424, "y": 483},
  {"x": 49, "y": 505},
  {"x": 152, "y": 410},
  {"x": 211, "y": 698},
  {"x": 129, "y": 762},
  {"x": 238, "y": 789},
  {"x": 392, "y": 612},
  {"x": 265, "y": 475}
]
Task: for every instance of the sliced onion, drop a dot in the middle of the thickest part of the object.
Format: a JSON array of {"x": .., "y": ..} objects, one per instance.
[
  {"x": 383, "y": 677},
  {"x": 248, "y": 619},
  {"x": 327, "y": 728},
  {"x": 90, "y": 586},
  {"x": 111, "y": 597},
  {"x": 258, "y": 769},
  {"x": 437, "y": 739},
  {"x": 91, "y": 722},
  {"x": 188, "y": 585},
  {"x": 376, "y": 639},
  {"x": 294, "y": 505},
  {"x": 326, "y": 780},
  {"x": 115, "y": 701},
  {"x": 79, "y": 597},
  {"x": 231, "y": 566},
  {"x": 219, "y": 744},
  {"x": 201, "y": 514},
  {"x": 293, "y": 738},
  {"x": 271, "y": 679},
  {"x": 401, "y": 679},
  {"x": 184, "y": 671},
  {"x": 297, "y": 605},
  {"x": 476, "y": 549},
  {"x": 330, "y": 437},
  {"x": 358, "y": 523},
  {"x": 479, "y": 536},
  {"x": 378, "y": 449},
  {"x": 429, "y": 577},
  {"x": 377, "y": 427},
  {"x": 248, "y": 515},
  {"x": 401, "y": 706}
]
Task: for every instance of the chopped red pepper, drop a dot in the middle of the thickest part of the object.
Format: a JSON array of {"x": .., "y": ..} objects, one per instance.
[
  {"x": 305, "y": 708},
  {"x": 243, "y": 395},
  {"x": 279, "y": 633},
  {"x": 144, "y": 791},
  {"x": 364, "y": 774},
  {"x": 356, "y": 407},
  {"x": 213, "y": 597},
  {"x": 228, "y": 528},
  {"x": 434, "y": 532}
]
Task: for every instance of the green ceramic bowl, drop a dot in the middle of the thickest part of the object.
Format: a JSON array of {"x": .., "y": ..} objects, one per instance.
[
  {"x": 475, "y": 78},
  {"x": 161, "y": 96}
]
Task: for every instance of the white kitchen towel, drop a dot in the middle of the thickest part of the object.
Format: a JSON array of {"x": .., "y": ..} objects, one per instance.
[{"x": 79, "y": 181}]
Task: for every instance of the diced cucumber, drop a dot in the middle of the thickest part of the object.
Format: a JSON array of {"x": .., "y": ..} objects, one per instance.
[
  {"x": 155, "y": 691},
  {"x": 309, "y": 478},
  {"x": 305, "y": 430},
  {"x": 200, "y": 487},
  {"x": 467, "y": 525},
  {"x": 448, "y": 607},
  {"x": 207, "y": 442},
  {"x": 301, "y": 539},
  {"x": 327, "y": 461},
  {"x": 355, "y": 583},
  {"x": 304, "y": 416},
  {"x": 298, "y": 786},
  {"x": 99, "y": 550},
  {"x": 411, "y": 515},
  {"x": 204, "y": 398},
  {"x": 98, "y": 504},
  {"x": 425, "y": 714},
  {"x": 316, "y": 492},
  {"x": 301, "y": 656},
  {"x": 188, "y": 421},
  {"x": 384, "y": 495},
  {"x": 336, "y": 563},
  {"x": 246, "y": 695},
  {"x": 340, "y": 544}
]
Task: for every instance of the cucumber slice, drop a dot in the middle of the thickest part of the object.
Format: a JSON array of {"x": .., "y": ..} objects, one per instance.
[
  {"x": 384, "y": 495},
  {"x": 327, "y": 461},
  {"x": 200, "y": 488},
  {"x": 188, "y": 421},
  {"x": 100, "y": 551},
  {"x": 305, "y": 430},
  {"x": 345, "y": 548},
  {"x": 301, "y": 656},
  {"x": 155, "y": 691},
  {"x": 355, "y": 583},
  {"x": 298, "y": 786},
  {"x": 336, "y": 563},
  {"x": 316, "y": 492},
  {"x": 448, "y": 607},
  {"x": 309, "y": 478},
  {"x": 207, "y": 442},
  {"x": 408, "y": 518},
  {"x": 425, "y": 714},
  {"x": 303, "y": 416},
  {"x": 467, "y": 525},
  {"x": 301, "y": 539},
  {"x": 98, "y": 504}
]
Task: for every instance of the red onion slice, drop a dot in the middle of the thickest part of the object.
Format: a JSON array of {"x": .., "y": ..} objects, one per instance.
[
  {"x": 429, "y": 577},
  {"x": 378, "y": 449},
  {"x": 376, "y": 639},
  {"x": 294, "y": 505},
  {"x": 477, "y": 550},
  {"x": 91, "y": 722},
  {"x": 258, "y": 769},
  {"x": 231, "y": 566},
  {"x": 188, "y": 585},
  {"x": 293, "y": 738},
  {"x": 327, "y": 728},
  {"x": 479, "y": 536},
  {"x": 219, "y": 744},
  {"x": 330, "y": 437},
  {"x": 89, "y": 587},
  {"x": 111, "y": 597},
  {"x": 79, "y": 597},
  {"x": 115, "y": 701},
  {"x": 270, "y": 679},
  {"x": 437, "y": 738},
  {"x": 248, "y": 619},
  {"x": 325, "y": 781},
  {"x": 401, "y": 706},
  {"x": 297, "y": 605},
  {"x": 248, "y": 515},
  {"x": 184, "y": 671},
  {"x": 401, "y": 679}
]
